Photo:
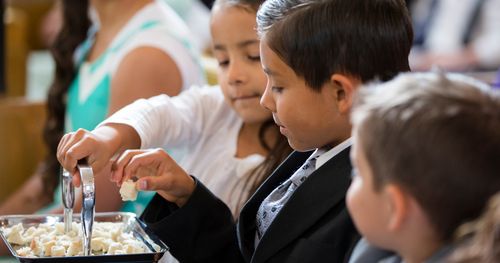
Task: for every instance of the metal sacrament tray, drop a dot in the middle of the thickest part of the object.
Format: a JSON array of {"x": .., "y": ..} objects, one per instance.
[{"x": 129, "y": 220}]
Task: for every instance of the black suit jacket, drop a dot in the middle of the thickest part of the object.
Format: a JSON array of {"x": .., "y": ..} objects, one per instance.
[{"x": 313, "y": 226}]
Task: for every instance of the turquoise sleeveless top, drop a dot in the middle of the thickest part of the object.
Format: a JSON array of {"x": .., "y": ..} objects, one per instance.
[{"x": 91, "y": 111}]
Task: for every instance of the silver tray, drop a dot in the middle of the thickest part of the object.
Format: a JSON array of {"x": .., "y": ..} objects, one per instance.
[{"x": 133, "y": 224}]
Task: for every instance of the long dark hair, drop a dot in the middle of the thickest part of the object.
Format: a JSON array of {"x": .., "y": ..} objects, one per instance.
[
  {"x": 76, "y": 23},
  {"x": 278, "y": 151},
  {"x": 276, "y": 154}
]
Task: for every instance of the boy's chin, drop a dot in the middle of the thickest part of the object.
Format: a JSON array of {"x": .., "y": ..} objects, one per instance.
[{"x": 297, "y": 146}]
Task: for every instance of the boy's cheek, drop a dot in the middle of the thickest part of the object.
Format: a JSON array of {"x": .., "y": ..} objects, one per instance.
[{"x": 351, "y": 196}]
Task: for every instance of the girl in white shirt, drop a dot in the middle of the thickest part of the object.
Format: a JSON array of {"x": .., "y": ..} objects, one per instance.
[{"x": 232, "y": 142}]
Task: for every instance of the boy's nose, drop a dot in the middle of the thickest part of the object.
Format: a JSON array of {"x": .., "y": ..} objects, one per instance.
[{"x": 266, "y": 100}]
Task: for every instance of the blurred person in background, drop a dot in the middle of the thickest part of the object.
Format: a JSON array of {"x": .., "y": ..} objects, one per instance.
[
  {"x": 108, "y": 53},
  {"x": 208, "y": 3},
  {"x": 196, "y": 15},
  {"x": 496, "y": 82},
  {"x": 51, "y": 24},
  {"x": 455, "y": 35}
]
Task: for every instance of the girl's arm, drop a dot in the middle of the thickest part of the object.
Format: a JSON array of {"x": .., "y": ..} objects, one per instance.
[{"x": 144, "y": 72}]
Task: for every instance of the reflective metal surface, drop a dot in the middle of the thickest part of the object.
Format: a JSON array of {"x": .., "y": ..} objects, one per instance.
[
  {"x": 88, "y": 205},
  {"x": 68, "y": 198},
  {"x": 131, "y": 224}
]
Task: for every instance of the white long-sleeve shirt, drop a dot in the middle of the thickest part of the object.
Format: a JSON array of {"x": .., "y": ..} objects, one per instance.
[{"x": 203, "y": 123}]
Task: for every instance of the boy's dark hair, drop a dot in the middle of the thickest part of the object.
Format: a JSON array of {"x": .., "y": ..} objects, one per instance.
[
  {"x": 438, "y": 137},
  {"x": 317, "y": 38}
]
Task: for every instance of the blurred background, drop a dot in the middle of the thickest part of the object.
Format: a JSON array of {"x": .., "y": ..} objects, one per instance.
[
  {"x": 462, "y": 36},
  {"x": 27, "y": 71}
]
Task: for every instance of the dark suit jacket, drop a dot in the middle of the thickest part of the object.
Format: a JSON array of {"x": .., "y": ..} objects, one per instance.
[{"x": 313, "y": 226}]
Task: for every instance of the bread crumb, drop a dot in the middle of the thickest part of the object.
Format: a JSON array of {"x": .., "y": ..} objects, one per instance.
[{"x": 128, "y": 191}]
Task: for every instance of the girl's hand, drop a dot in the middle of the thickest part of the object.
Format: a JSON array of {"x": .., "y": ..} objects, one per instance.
[
  {"x": 155, "y": 171},
  {"x": 97, "y": 147}
]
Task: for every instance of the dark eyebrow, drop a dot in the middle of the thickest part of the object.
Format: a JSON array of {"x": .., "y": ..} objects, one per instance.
[{"x": 241, "y": 44}]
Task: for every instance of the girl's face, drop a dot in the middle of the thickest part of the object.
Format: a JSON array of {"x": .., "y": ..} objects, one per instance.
[{"x": 236, "y": 48}]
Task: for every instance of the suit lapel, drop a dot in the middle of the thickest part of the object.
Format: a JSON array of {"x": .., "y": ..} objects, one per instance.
[
  {"x": 324, "y": 189},
  {"x": 247, "y": 224}
]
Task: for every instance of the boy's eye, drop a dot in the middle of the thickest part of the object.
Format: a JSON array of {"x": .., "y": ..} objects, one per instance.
[{"x": 277, "y": 89}]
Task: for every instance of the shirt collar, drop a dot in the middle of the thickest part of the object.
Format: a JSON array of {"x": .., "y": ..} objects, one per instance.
[{"x": 323, "y": 156}]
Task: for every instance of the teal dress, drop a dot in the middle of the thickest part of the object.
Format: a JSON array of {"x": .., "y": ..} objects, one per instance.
[
  {"x": 92, "y": 110},
  {"x": 86, "y": 109}
]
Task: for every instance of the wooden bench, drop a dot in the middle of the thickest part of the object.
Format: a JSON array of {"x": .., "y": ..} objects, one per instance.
[{"x": 21, "y": 143}]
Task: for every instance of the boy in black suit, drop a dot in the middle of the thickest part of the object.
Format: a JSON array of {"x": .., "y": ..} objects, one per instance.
[
  {"x": 315, "y": 54},
  {"x": 425, "y": 156}
]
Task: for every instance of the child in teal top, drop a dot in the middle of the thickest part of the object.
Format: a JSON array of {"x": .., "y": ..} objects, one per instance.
[
  {"x": 150, "y": 53},
  {"x": 89, "y": 93}
]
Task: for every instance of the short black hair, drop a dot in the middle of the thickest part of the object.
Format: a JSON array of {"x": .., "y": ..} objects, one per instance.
[{"x": 317, "y": 38}]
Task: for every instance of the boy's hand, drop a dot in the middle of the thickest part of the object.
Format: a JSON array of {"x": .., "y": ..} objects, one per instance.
[
  {"x": 96, "y": 147},
  {"x": 155, "y": 171}
]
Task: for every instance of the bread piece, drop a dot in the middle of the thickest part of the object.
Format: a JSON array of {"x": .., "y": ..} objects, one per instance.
[{"x": 128, "y": 191}]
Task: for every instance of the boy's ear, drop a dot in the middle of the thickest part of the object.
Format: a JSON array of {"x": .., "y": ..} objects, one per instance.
[
  {"x": 398, "y": 207},
  {"x": 344, "y": 88}
]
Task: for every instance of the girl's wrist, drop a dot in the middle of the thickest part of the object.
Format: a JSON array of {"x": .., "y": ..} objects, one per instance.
[
  {"x": 109, "y": 138},
  {"x": 118, "y": 138}
]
